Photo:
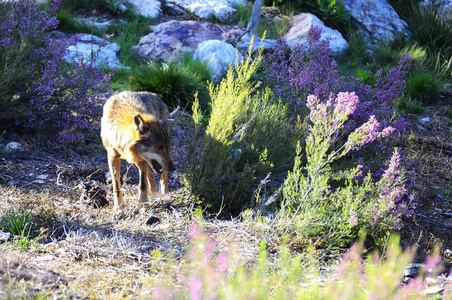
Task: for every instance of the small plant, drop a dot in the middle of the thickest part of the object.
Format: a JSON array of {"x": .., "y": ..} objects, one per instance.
[
  {"x": 423, "y": 87},
  {"x": 175, "y": 82},
  {"x": 407, "y": 105},
  {"x": 18, "y": 223}
]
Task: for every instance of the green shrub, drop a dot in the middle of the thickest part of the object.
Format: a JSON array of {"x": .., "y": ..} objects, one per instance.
[
  {"x": 409, "y": 106},
  {"x": 175, "y": 82},
  {"x": 423, "y": 87},
  {"x": 248, "y": 136},
  {"x": 18, "y": 223},
  {"x": 128, "y": 35},
  {"x": 68, "y": 23}
]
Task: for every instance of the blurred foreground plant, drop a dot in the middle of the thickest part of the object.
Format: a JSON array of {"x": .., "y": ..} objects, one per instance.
[{"x": 208, "y": 272}]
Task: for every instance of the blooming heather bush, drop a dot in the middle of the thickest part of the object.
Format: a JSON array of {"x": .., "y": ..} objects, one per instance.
[
  {"x": 295, "y": 73},
  {"x": 320, "y": 201},
  {"x": 39, "y": 90}
]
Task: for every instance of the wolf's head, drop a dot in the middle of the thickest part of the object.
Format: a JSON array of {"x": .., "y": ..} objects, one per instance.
[{"x": 153, "y": 142}]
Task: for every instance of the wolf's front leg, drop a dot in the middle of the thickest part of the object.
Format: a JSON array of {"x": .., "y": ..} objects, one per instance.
[
  {"x": 114, "y": 164},
  {"x": 164, "y": 182},
  {"x": 143, "y": 167}
]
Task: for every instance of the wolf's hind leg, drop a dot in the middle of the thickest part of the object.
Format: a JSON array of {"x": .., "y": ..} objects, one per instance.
[
  {"x": 114, "y": 164},
  {"x": 151, "y": 181}
]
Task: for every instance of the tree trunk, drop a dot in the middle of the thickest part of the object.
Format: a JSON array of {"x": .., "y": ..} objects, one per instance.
[{"x": 255, "y": 16}]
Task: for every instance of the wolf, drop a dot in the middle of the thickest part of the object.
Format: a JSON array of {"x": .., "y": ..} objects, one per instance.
[{"x": 137, "y": 127}]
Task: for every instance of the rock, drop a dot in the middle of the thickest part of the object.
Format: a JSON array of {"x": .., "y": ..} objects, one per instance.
[
  {"x": 4, "y": 236},
  {"x": 443, "y": 7},
  {"x": 244, "y": 43},
  {"x": 13, "y": 147},
  {"x": 300, "y": 25},
  {"x": 205, "y": 9},
  {"x": 218, "y": 55},
  {"x": 47, "y": 257},
  {"x": 412, "y": 271},
  {"x": 170, "y": 39},
  {"x": 101, "y": 23},
  {"x": 378, "y": 17},
  {"x": 104, "y": 51},
  {"x": 152, "y": 220},
  {"x": 91, "y": 194},
  {"x": 148, "y": 8},
  {"x": 425, "y": 120}
]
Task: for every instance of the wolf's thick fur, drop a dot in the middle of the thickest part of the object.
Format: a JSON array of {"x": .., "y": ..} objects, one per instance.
[{"x": 136, "y": 126}]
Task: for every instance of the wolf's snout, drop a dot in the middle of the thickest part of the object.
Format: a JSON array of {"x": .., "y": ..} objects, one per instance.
[{"x": 171, "y": 167}]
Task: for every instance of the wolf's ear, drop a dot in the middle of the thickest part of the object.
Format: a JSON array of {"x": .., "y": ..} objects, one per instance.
[
  {"x": 140, "y": 126},
  {"x": 168, "y": 124}
]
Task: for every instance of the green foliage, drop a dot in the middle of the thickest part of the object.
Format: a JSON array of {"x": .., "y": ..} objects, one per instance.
[
  {"x": 247, "y": 137},
  {"x": 335, "y": 12},
  {"x": 129, "y": 34},
  {"x": 272, "y": 28},
  {"x": 430, "y": 31},
  {"x": 409, "y": 106},
  {"x": 87, "y": 5},
  {"x": 422, "y": 86},
  {"x": 68, "y": 23},
  {"x": 16, "y": 221},
  {"x": 19, "y": 224},
  {"x": 175, "y": 82}
]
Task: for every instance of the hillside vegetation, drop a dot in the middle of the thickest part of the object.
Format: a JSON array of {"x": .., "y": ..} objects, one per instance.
[{"x": 301, "y": 175}]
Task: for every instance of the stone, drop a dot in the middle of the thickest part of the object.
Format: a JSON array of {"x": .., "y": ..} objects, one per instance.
[
  {"x": 205, "y": 9},
  {"x": 218, "y": 55},
  {"x": 13, "y": 147},
  {"x": 148, "y": 8},
  {"x": 152, "y": 220},
  {"x": 101, "y": 23},
  {"x": 300, "y": 25},
  {"x": 4, "y": 236},
  {"x": 443, "y": 7},
  {"x": 378, "y": 17},
  {"x": 170, "y": 39},
  {"x": 87, "y": 44}
]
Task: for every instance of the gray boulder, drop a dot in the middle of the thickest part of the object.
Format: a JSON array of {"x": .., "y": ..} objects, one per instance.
[
  {"x": 300, "y": 25},
  {"x": 378, "y": 17},
  {"x": 89, "y": 45},
  {"x": 218, "y": 55},
  {"x": 221, "y": 9},
  {"x": 170, "y": 39},
  {"x": 148, "y": 8}
]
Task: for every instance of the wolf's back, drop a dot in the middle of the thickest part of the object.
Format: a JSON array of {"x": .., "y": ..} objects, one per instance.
[{"x": 119, "y": 111}]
